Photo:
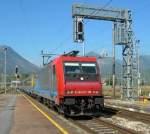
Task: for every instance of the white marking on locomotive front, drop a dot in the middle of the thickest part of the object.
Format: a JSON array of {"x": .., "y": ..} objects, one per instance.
[
  {"x": 88, "y": 64},
  {"x": 71, "y": 64},
  {"x": 81, "y": 78}
]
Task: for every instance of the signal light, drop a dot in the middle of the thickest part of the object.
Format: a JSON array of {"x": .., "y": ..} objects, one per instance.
[
  {"x": 16, "y": 72},
  {"x": 16, "y": 69},
  {"x": 80, "y": 36},
  {"x": 78, "y": 29},
  {"x": 80, "y": 26}
]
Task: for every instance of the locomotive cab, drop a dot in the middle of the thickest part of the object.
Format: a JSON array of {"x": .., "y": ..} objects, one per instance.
[{"x": 82, "y": 93}]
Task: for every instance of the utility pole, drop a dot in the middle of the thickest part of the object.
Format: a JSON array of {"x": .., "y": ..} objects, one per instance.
[
  {"x": 5, "y": 73},
  {"x": 113, "y": 70},
  {"x": 113, "y": 64},
  {"x": 138, "y": 66}
]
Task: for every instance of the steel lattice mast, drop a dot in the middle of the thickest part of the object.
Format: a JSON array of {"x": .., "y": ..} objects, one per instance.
[{"x": 122, "y": 35}]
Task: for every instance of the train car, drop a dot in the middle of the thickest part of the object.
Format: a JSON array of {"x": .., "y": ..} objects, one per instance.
[{"x": 72, "y": 84}]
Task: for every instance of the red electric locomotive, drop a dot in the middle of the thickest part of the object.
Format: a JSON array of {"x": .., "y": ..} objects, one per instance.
[{"x": 72, "y": 84}]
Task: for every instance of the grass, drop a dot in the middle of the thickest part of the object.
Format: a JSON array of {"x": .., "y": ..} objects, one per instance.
[
  {"x": 145, "y": 90},
  {"x": 108, "y": 91}
]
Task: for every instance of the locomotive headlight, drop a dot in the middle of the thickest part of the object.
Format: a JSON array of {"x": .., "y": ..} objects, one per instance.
[
  {"x": 89, "y": 92},
  {"x": 71, "y": 92},
  {"x": 68, "y": 92},
  {"x": 96, "y": 92},
  {"x": 93, "y": 92}
]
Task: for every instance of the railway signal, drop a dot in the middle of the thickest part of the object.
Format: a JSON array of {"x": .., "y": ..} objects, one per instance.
[
  {"x": 79, "y": 30},
  {"x": 16, "y": 69},
  {"x": 16, "y": 72}
]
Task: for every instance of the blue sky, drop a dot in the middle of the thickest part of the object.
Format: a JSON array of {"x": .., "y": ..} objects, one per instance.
[{"x": 29, "y": 26}]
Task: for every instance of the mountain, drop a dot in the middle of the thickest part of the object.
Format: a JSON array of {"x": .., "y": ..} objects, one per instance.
[
  {"x": 145, "y": 68},
  {"x": 26, "y": 67},
  {"x": 145, "y": 62},
  {"x": 13, "y": 59}
]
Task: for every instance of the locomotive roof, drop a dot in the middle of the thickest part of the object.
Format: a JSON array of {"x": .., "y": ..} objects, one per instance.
[{"x": 75, "y": 58}]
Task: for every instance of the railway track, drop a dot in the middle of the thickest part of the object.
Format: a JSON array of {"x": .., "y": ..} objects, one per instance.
[
  {"x": 95, "y": 125},
  {"x": 99, "y": 126},
  {"x": 131, "y": 115}
]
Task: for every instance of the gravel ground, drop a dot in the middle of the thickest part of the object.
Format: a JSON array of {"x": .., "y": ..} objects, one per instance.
[{"x": 135, "y": 125}]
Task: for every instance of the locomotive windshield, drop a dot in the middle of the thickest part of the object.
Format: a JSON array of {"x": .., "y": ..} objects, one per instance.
[
  {"x": 72, "y": 68},
  {"x": 80, "y": 71},
  {"x": 89, "y": 68}
]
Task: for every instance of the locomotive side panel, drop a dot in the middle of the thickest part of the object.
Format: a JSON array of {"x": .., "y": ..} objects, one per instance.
[
  {"x": 59, "y": 79},
  {"x": 46, "y": 83},
  {"x": 44, "y": 79},
  {"x": 42, "y": 83},
  {"x": 53, "y": 82}
]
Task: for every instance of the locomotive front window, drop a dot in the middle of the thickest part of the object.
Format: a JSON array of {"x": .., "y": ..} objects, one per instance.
[
  {"x": 72, "y": 68},
  {"x": 80, "y": 71},
  {"x": 88, "y": 68}
]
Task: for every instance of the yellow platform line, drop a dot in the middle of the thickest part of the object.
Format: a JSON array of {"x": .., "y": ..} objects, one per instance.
[{"x": 47, "y": 116}]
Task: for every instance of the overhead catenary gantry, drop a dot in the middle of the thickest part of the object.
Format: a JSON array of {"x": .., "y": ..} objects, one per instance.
[{"x": 122, "y": 35}]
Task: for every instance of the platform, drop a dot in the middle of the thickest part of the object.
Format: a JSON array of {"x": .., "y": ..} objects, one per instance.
[{"x": 20, "y": 114}]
